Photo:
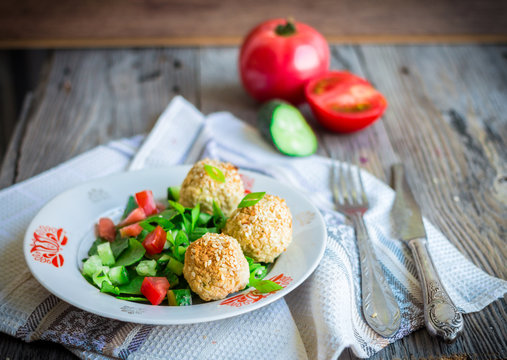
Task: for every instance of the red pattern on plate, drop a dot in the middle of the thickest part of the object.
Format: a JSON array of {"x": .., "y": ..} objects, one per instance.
[
  {"x": 254, "y": 296},
  {"x": 46, "y": 245},
  {"x": 248, "y": 183}
]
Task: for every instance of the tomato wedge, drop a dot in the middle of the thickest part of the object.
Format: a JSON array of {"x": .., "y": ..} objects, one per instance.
[
  {"x": 155, "y": 289},
  {"x": 130, "y": 230},
  {"x": 136, "y": 215},
  {"x": 344, "y": 102},
  {"x": 146, "y": 201},
  {"x": 155, "y": 241},
  {"x": 106, "y": 229}
]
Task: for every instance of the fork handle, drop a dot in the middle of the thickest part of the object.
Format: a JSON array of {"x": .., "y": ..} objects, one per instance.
[{"x": 380, "y": 309}]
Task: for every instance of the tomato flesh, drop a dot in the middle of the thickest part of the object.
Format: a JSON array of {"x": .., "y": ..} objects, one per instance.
[
  {"x": 155, "y": 288},
  {"x": 155, "y": 241},
  {"x": 130, "y": 230},
  {"x": 135, "y": 216},
  {"x": 146, "y": 201},
  {"x": 344, "y": 102},
  {"x": 106, "y": 229}
]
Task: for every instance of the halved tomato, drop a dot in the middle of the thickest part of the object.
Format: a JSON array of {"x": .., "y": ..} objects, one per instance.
[
  {"x": 146, "y": 201},
  {"x": 154, "y": 242},
  {"x": 344, "y": 102},
  {"x": 155, "y": 289}
]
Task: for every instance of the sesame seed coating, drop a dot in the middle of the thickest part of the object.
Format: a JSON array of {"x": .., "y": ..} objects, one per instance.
[
  {"x": 215, "y": 266},
  {"x": 263, "y": 230},
  {"x": 199, "y": 187}
]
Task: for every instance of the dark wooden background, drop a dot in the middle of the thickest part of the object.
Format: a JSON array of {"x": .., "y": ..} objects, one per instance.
[{"x": 29, "y": 23}]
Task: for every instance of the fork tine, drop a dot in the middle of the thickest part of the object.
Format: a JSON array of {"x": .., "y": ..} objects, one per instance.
[
  {"x": 351, "y": 187},
  {"x": 344, "y": 184},
  {"x": 334, "y": 180},
  {"x": 364, "y": 198}
]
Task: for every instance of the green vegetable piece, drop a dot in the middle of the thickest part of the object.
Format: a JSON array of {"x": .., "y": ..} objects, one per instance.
[
  {"x": 100, "y": 276},
  {"x": 163, "y": 260},
  {"x": 177, "y": 206},
  {"x": 118, "y": 245},
  {"x": 173, "y": 193},
  {"x": 163, "y": 219},
  {"x": 175, "y": 266},
  {"x": 106, "y": 254},
  {"x": 214, "y": 173},
  {"x": 118, "y": 275},
  {"x": 147, "y": 268},
  {"x": 286, "y": 128},
  {"x": 179, "y": 297},
  {"x": 251, "y": 199},
  {"x": 133, "y": 298},
  {"x": 195, "y": 216},
  {"x": 265, "y": 286},
  {"x": 110, "y": 289},
  {"x": 199, "y": 232},
  {"x": 131, "y": 206},
  {"x": 132, "y": 254},
  {"x": 92, "y": 265},
  {"x": 203, "y": 219},
  {"x": 93, "y": 248},
  {"x": 172, "y": 278},
  {"x": 219, "y": 218},
  {"x": 133, "y": 287}
]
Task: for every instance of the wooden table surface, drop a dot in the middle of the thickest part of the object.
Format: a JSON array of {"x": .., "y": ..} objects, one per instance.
[{"x": 447, "y": 122}]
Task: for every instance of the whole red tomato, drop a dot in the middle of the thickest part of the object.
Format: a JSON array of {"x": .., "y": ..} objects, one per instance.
[{"x": 279, "y": 56}]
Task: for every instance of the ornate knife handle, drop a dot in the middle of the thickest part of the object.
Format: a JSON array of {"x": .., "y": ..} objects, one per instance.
[
  {"x": 441, "y": 317},
  {"x": 380, "y": 309}
]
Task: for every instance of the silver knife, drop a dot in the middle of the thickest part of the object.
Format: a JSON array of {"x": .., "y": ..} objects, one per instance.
[{"x": 441, "y": 317}]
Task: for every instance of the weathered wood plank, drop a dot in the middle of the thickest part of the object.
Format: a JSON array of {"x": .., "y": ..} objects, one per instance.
[
  {"x": 443, "y": 100},
  {"x": 95, "y": 96},
  {"x": 128, "y": 23}
]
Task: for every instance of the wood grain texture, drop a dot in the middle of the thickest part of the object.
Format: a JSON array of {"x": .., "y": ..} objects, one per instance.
[
  {"x": 158, "y": 22},
  {"x": 446, "y": 122}
]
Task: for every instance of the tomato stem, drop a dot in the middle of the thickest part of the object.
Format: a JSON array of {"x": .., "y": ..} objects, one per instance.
[{"x": 287, "y": 29}]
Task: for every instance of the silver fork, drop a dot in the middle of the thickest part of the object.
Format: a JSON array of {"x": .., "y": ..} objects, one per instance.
[{"x": 380, "y": 308}]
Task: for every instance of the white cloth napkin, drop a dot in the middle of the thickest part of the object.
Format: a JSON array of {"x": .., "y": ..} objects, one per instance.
[{"x": 316, "y": 321}]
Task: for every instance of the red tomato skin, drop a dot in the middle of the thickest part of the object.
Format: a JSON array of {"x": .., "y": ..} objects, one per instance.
[
  {"x": 341, "y": 122},
  {"x": 136, "y": 215},
  {"x": 106, "y": 229},
  {"x": 146, "y": 201},
  {"x": 130, "y": 230},
  {"x": 155, "y": 241},
  {"x": 275, "y": 66},
  {"x": 155, "y": 289}
]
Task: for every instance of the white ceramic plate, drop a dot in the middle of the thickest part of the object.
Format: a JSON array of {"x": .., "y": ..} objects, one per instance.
[{"x": 59, "y": 237}]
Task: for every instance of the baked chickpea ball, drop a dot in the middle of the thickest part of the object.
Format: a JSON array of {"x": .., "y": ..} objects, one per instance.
[
  {"x": 263, "y": 230},
  {"x": 199, "y": 188},
  {"x": 215, "y": 266}
]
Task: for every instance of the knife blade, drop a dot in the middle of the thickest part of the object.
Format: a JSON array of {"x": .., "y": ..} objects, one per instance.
[{"x": 441, "y": 317}]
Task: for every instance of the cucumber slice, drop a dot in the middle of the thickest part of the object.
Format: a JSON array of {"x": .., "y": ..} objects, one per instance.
[
  {"x": 284, "y": 126},
  {"x": 146, "y": 268},
  {"x": 175, "y": 266},
  {"x": 173, "y": 193},
  {"x": 180, "y": 297},
  {"x": 118, "y": 275},
  {"x": 106, "y": 254},
  {"x": 92, "y": 265}
]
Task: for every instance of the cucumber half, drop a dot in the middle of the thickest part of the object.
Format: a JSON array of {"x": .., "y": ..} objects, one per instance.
[{"x": 285, "y": 126}]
